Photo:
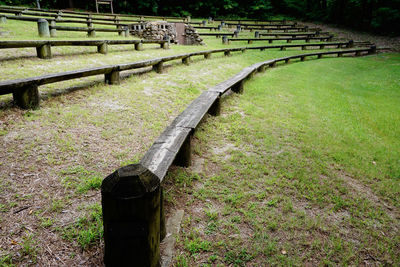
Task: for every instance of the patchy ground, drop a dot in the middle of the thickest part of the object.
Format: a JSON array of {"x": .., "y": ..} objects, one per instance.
[{"x": 53, "y": 160}]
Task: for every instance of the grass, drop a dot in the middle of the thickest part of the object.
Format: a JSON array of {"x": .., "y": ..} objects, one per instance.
[
  {"x": 311, "y": 175},
  {"x": 281, "y": 185}
]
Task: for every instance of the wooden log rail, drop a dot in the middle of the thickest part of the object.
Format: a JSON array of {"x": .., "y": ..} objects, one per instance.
[
  {"x": 217, "y": 34},
  {"x": 22, "y": 10},
  {"x": 43, "y": 48},
  {"x": 287, "y": 39},
  {"x": 292, "y": 34},
  {"x": 91, "y": 32},
  {"x": 280, "y": 25},
  {"x": 26, "y": 94},
  {"x": 287, "y": 29},
  {"x": 132, "y": 196},
  {"x": 258, "y": 22}
]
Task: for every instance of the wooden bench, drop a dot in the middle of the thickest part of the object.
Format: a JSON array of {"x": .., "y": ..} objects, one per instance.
[
  {"x": 132, "y": 196},
  {"x": 287, "y": 39}
]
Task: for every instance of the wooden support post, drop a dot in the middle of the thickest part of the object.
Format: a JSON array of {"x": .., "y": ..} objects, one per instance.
[
  {"x": 350, "y": 44},
  {"x": 272, "y": 65},
  {"x": 283, "y": 48},
  {"x": 287, "y": 60},
  {"x": 262, "y": 68},
  {"x": 158, "y": 67},
  {"x": 112, "y": 77},
  {"x": 103, "y": 48},
  {"x": 236, "y": 33},
  {"x": 249, "y": 41},
  {"x": 224, "y": 39},
  {"x": 53, "y": 32},
  {"x": 204, "y": 22},
  {"x": 91, "y": 32},
  {"x": 44, "y": 51},
  {"x": 270, "y": 41},
  {"x": 319, "y": 56},
  {"x": 321, "y": 46},
  {"x": 358, "y": 53},
  {"x": 307, "y": 40},
  {"x": 139, "y": 46},
  {"x": 131, "y": 203},
  {"x": 186, "y": 60},
  {"x": 43, "y": 28},
  {"x": 165, "y": 45},
  {"x": 238, "y": 88},
  {"x": 244, "y": 50},
  {"x": 163, "y": 228},
  {"x": 256, "y": 34},
  {"x": 183, "y": 158},
  {"x": 126, "y": 32},
  {"x": 262, "y": 49},
  {"x": 227, "y": 53},
  {"x": 303, "y": 47},
  {"x": 339, "y": 54},
  {"x": 121, "y": 32},
  {"x": 207, "y": 56},
  {"x": 215, "y": 108},
  {"x": 288, "y": 41},
  {"x": 372, "y": 50},
  {"x": 303, "y": 58},
  {"x": 27, "y": 97},
  {"x": 3, "y": 19}
]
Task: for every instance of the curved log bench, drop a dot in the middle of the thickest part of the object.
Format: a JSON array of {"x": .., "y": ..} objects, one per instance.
[
  {"x": 287, "y": 39},
  {"x": 132, "y": 196},
  {"x": 43, "y": 48},
  {"x": 26, "y": 95}
]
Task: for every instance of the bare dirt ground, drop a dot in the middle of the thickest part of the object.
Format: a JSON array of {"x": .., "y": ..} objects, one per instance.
[{"x": 391, "y": 44}]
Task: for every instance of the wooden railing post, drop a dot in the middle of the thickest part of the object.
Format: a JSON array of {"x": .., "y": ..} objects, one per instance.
[
  {"x": 372, "y": 50},
  {"x": 186, "y": 60},
  {"x": 158, "y": 67},
  {"x": 207, "y": 56},
  {"x": 215, "y": 109},
  {"x": 238, "y": 88},
  {"x": 43, "y": 28},
  {"x": 165, "y": 45},
  {"x": 224, "y": 39},
  {"x": 91, "y": 32},
  {"x": 103, "y": 48},
  {"x": 44, "y": 51},
  {"x": 53, "y": 32},
  {"x": 256, "y": 34},
  {"x": 27, "y": 97},
  {"x": 139, "y": 46},
  {"x": 227, "y": 53},
  {"x": 112, "y": 77},
  {"x": 3, "y": 19},
  {"x": 184, "y": 156},
  {"x": 131, "y": 202},
  {"x": 350, "y": 44}
]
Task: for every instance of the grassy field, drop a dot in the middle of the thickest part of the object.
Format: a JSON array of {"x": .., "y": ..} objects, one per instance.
[{"x": 303, "y": 168}]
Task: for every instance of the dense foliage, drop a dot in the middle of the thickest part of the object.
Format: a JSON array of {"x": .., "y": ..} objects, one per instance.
[{"x": 381, "y": 16}]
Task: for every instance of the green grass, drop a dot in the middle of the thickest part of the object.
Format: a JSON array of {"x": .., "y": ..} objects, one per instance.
[
  {"x": 281, "y": 185},
  {"x": 312, "y": 165}
]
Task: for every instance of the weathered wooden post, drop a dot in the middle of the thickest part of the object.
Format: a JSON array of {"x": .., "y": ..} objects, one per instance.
[
  {"x": 239, "y": 27},
  {"x": 44, "y": 51},
  {"x": 283, "y": 48},
  {"x": 227, "y": 53},
  {"x": 256, "y": 34},
  {"x": 306, "y": 28},
  {"x": 27, "y": 97},
  {"x": 224, "y": 39},
  {"x": 372, "y": 50},
  {"x": 89, "y": 23},
  {"x": 238, "y": 88},
  {"x": 207, "y": 56},
  {"x": 158, "y": 67},
  {"x": 222, "y": 23},
  {"x": 119, "y": 27},
  {"x": 236, "y": 33},
  {"x": 302, "y": 58},
  {"x": 287, "y": 60},
  {"x": 219, "y": 27},
  {"x": 3, "y": 19},
  {"x": 322, "y": 47},
  {"x": 91, "y": 32},
  {"x": 249, "y": 41},
  {"x": 188, "y": 18},
  {"x": 210, "y": 19},
  {"x": 215, "y": 108},
  {"x": 112, "y": 77},
  {"x": 103, "y": 48},
  {"x": 165, "y": 45},
  {"x": 204, "y": 23},
  {"x": 139, "y": 46},
  {"x": 350, "y": 44},
  {"x": 126, "y": 31},
  {"x": 186, "y": 60},
  {"x": 131, "y": 202},
  {"x": 270, "y": 41},
  {"x": 43, "y": 28},
  {"x": 53, "y": 31}
]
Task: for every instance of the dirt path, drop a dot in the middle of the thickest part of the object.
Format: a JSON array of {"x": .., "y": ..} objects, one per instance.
[{"x": 391, "y": 43}]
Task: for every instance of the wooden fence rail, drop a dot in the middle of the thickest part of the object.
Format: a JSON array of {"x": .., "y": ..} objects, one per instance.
[
  {"x": 43, "y": 48},
  {"x": 132, "y": 196},
  {"x": 26, "y": 94}
]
